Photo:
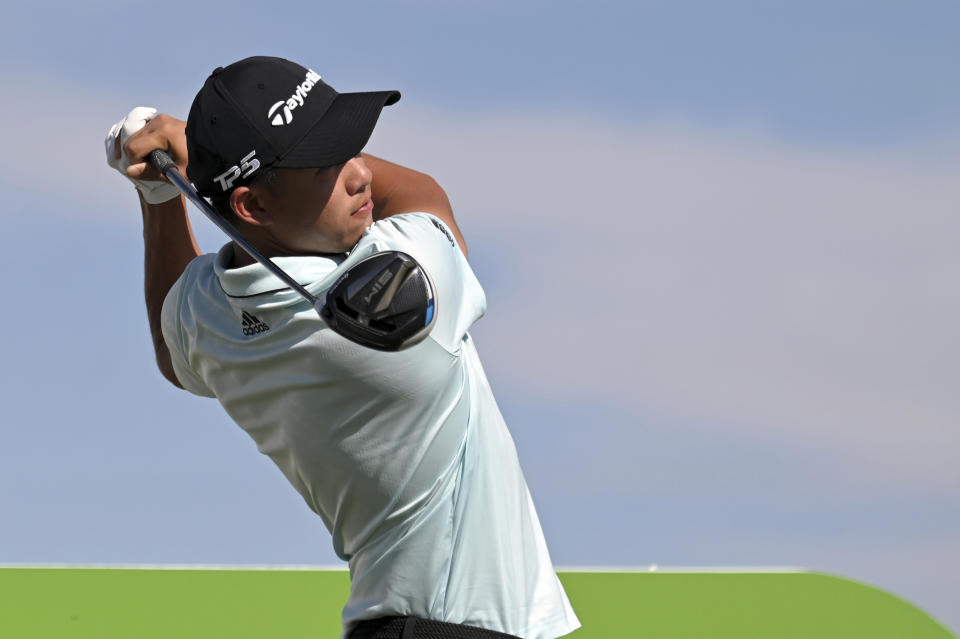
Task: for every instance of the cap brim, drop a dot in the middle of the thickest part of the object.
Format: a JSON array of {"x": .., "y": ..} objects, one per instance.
[{"x": 342, "y": 132}]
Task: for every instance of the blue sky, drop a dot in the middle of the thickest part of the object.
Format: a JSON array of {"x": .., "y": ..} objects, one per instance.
[{"x": 718, "y": 242}]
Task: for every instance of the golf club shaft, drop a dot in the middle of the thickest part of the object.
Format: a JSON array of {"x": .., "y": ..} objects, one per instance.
[{"x": 165, "y": 164}]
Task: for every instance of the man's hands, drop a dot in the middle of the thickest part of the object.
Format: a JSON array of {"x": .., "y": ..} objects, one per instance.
[
  {"x": 169, "y": 244},
  {"x": 130, "y": 140}
]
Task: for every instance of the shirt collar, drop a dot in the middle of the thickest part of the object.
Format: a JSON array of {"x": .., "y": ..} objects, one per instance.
[
  {"x": 314, "y": 272},
  {"x": 255, "y": 279}
]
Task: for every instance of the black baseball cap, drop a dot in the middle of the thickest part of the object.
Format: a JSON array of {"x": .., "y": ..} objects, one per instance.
[{"x": 264, "y": 112}]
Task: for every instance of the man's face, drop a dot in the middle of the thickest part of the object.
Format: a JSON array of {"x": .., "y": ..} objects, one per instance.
[{"x": 319, "y": 210}]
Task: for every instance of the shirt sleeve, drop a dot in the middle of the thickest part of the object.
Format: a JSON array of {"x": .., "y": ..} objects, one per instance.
[
  {"x": 171, "y": 325},
  {"x": 460, "y": 300}
]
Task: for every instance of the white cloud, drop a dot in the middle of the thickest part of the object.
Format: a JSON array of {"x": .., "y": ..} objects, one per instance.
[
  {"x": 53, "y": 132},
  {"x": 721, "y": 278},
  {"x": 716, "y": 277}
]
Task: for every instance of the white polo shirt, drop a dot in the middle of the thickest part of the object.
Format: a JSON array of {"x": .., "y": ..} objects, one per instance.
[{"x": 405, "y": 456}]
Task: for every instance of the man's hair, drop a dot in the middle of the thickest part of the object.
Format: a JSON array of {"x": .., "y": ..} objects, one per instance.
[{"x": 270, "y": 179}]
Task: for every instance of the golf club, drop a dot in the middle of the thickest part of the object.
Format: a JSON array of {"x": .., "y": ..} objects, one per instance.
[{"x": 384, "y": 301}]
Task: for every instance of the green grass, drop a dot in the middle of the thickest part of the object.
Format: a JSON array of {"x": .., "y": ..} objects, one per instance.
[
  {"x": 109, "y": 603},
  {"x": 741, "y": 605}
]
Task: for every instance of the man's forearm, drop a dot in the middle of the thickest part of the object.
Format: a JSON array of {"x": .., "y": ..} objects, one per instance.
[
  {"x": 169, "y": 245},
  {"x": 397, "y": 189}
]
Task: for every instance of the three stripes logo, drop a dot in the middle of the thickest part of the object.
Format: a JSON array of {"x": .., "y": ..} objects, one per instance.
[{"x": 252, "y": 325}]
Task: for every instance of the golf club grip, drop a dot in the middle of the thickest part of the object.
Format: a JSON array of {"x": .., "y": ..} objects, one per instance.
[{"x": 161, "y": 161}]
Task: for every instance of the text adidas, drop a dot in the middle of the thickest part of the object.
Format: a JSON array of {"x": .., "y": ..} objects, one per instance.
[{"x": 252, "y": 325}]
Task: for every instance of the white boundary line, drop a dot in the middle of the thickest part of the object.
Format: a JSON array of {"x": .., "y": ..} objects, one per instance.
[
  {"x": 342, "y": 568},
  {"x": 683, "y": 569}
]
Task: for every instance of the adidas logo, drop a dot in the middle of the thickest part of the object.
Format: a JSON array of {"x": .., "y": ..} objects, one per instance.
[{"x": 252, "y": 325}]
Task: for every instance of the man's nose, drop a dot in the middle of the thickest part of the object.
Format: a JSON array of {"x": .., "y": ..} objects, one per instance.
[{"x": 358, "y": 175}]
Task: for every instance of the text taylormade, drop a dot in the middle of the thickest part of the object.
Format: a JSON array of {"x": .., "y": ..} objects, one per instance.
[{"x": 279, "y": 118}]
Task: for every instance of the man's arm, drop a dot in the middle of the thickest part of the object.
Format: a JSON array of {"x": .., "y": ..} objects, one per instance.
[
  {"x": 169, "y": 244},
  {"x": 397, "y": 189}
]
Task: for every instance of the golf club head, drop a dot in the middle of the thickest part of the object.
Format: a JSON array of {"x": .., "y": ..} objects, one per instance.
[{"x": 385, "y": 301}]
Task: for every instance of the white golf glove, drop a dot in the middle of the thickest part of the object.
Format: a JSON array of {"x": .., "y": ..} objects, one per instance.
[{"x": 154, "y": 191}]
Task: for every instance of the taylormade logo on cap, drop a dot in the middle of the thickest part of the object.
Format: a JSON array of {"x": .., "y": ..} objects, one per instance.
[{"x": 286, "y": 115}]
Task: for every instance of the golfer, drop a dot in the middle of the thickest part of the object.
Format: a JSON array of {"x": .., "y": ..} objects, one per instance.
[{"x": 404, "y": 455}]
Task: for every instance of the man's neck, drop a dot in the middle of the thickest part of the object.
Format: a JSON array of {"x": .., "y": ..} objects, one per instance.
[{"x": 240, "y": 257}]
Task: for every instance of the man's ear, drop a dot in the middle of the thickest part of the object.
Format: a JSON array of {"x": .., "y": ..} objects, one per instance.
[{"x": 248, "y": 207}]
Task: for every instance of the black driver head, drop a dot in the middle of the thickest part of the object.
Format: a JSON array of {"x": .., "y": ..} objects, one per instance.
[{"x": 385, "y": 301}]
